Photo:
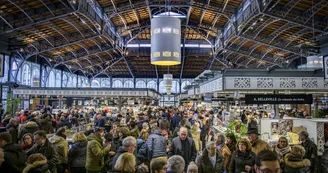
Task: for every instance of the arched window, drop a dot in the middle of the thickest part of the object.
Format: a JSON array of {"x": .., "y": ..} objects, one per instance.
[
  {"x": 26, "y": 75},
  {"x": 65, "y": 80},
  {"x": 36, "y": 77},
  {"x": 175, "y": 87},
  {"x": 95, "y": 83},
  {"x": 58, "y": 79},
  {"x": 128, "y": 84},
  {"x": 141, "y": 84},
  {"x": 162, "y": 88},
  {"x": 152, "y": 85},
  {"x": 117, "y": 84},
  {"x": 74, "y": 81},
  {"x": 105, "y": 83},
  {"x": 51, "y": 79},
  {"x": 184, "y": 83},
  {"x": 80, "y": 82}
]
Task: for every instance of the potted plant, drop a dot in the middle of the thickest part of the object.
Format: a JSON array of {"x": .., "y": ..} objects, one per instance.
[{"x": 237, "y": 128}]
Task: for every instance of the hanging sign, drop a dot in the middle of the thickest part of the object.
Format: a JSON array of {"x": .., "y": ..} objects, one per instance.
[
  {"x": 325, "y": 66},
  {"x": 279, "y": 99}
]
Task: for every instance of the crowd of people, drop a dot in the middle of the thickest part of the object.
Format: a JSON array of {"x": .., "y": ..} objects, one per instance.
[{"x": 155, "y": 140}]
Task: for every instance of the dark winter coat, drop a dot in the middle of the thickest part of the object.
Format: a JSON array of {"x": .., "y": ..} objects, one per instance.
[
  {"x": 14, "y": 159},
  {"x": 238, "y": 161},
  {"x": 324, "y": 161},
  {"x": 190, "y": 152},
  {"x": 205, "y": 165},
  {"x": 155, "y": 146},
  {"x": 77, "y": 154},
  {"x": 311, "y": 154},
  {"x": 49, "y": 151},
  {"x": 46, "y": 125},
  {"x": 37, "y": 167},
  {"x": 13, "y": 133},
  {"x": 175, "y": 121},
  {"x": 296, "y": 165},
  {"x": 29, "y": 127}
]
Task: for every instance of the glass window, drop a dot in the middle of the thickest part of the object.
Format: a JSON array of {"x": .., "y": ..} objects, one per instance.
[
  {"x": 162, "y": 88},
  {"x": 26, "y": 75},
  {"x": 58, "y": 79},
  {"x": 141, "y": 84},
  {"x": 117, "y": 84},
  {"x": 152, "y": 85},
  {"x": 128, "y": 84},
  {"x": 184, "y": 83},
  {"x": 95, "y": 83},
  {"x": 65, "y": 80},
  {"x": 175, "y": 87},
  {"x": 51, "y": 79},
  {"x": 105, "y": 83},
  {"x": 36, "y": 77}
]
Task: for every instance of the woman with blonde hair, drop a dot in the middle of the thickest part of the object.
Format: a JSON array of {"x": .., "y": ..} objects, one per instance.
[
  {"x": 243, "y": 159},
  {"x": 77, "y": 154},
  {"x": 36, "y": 163},
  {"x": 126, "y": 163}
]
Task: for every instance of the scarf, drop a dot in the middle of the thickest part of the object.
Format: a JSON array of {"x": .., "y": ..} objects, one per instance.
[
  {"x": 282, "y": 151},
  {"x": 244, "y": 155}
]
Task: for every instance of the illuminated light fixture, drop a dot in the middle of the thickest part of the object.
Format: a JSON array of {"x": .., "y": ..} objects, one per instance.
[
  {"x": 165, "y": 41},
  {"x": 168, "y": 91},
  {"x": 168, "y": 79}
]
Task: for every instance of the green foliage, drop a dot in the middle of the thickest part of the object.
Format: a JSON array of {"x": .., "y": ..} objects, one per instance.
[
  {"x": 322, "y": 113},
  {"x": 12, "y": 104},
  {"x": 237, "y": 125}
]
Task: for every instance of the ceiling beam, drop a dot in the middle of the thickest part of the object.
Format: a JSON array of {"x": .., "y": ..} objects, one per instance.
[{"x": 110, "y": 66}]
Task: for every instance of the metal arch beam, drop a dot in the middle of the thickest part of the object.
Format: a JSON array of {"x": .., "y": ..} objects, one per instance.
[
  {"x": 317, "y": 7},
  {"x": 104, "y": 50},
  {"x": 110, "y": 66},
  {"x": 249, "y": 56},
  {"x": 64, "y": 45},
  {"x": 73, "y": 26},
  {"x": 6, "y": 22},
  {"x": 134, "y": 11},
  {"x": 289, "y": 6},
  {"x": 129, "y": 67},
  {"x": 267, "y": 24},
  {"x": 280, "y": 30},
  {"x": 45, "y": 5},
  {"x": 269, "y": 45},
  {"x": 291, "y": 21},
  {"x": 299, "y": 33},
  {"x": 122, "y": 18},
  {"x": 13, "y": 3},
  {"x": 203, "y": 11}
]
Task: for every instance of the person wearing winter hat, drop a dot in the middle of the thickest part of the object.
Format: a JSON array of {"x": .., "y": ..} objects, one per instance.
[
  {"x": 192, "y": 168},
  {"x": 258, "y": 145},
  {"x": 294, "y": 161}
]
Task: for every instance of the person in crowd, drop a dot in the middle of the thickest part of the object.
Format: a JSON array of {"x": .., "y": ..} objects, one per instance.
[
  {"x": 175, "y": 164},
  {"x": 183, "y": 146},
  {"x": 144, "y": 132},
  {"x": 129, "y": 144},
  {"x": 12, "y": 128},
  {"x": 183, "y": 123},
  {"x": 36, "y": 163},
  {"x": 29, "y": 127},
  {"x": 115, "y": 131},
  {"x": 195, "y": 133},
  {"x": 175, "y": 120},
  {"x": 134, "y": 131},
  {"x": 14, "y": 156},
  {"x": 164, "y": 124},
  {"x": 2, "y": 156},
  {"x": 281, "y": 149},
  {"x": 192, "y": 168},
  {"x": 154, "y": 147},
  {"x": 153, "y": 123},
  {"x": 96, "y": 152},
  {"x": 78, "y": 153},
  {"x": 243, "y": 159},
  {"x": 295, "y": 163},
  {"x": 159, "y": 165},
  {"x": 257, "y": 144},
  {"x": 100, "y": 121},
  {"x": 211, "y": 160},
  {"x": 45, "y": 147},
  {"x": 267, "y": 162},
  {"x": 61, "y": 146},
  {"x": 231, "y": 142},
  {"x": 23, "y": 117},
  {"x": 46, "y": 124},
  {"x": 27, "y": 142},
  {"x": 223, "y": 149},
  {"x": 126, "y": 163},
  {"x": 310, "y": 150},
  {"x": 324, "y": 157},
  {"x": 206, "y": 129}
]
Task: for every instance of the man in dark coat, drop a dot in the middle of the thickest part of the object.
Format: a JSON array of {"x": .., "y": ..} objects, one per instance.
[
  {"x": 12, "y": 129},
  {"x": 14, "y": 156},
  {"x": 211, "y": 160},
  {"x": 175, "y": 120},
  {"x": 184, "y": 146},
  {"x": 43, "y": 146},
  {"x": 311, "y": 151},
  {"x": 129, "y": 144}
]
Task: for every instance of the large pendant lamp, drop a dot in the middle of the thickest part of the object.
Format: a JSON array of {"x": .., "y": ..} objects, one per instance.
[
  {"x": 168, "y": 79},
  {"x": 165, "y": 41}
]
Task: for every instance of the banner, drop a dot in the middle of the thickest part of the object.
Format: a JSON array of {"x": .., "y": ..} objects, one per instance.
[
  {"x": 279, "y": 99},
  {"x": 2, "y": 65}
]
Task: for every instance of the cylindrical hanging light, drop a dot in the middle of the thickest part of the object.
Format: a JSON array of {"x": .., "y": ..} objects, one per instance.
[
  {"x": 168, "y": 79},
  {"x": 168, "y": 91},
  {"x": 165, "y": 41}
]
